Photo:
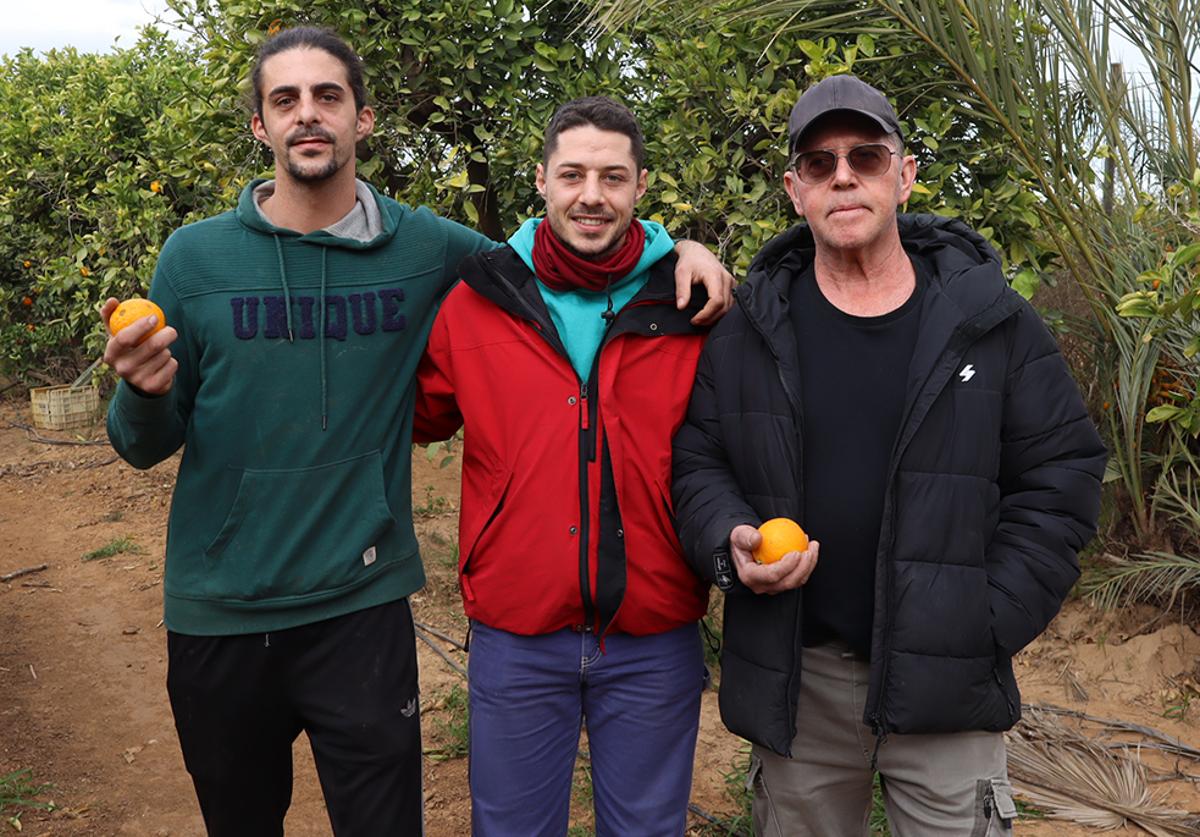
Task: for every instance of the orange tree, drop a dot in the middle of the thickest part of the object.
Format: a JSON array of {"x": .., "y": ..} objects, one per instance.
[
  {"x": 464, "y": 89},
  {"x": 108, "y": 154},
  {"x": 101, "y": 159}
]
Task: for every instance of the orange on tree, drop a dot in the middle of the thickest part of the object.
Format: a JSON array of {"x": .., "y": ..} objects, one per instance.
[
  {"x": 780, "y": 536},
  {"x": 132, "y": 310}
]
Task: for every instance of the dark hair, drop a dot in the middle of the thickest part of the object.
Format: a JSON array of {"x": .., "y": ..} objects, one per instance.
[
  {"x": 600, "y": 112},
  {"x": 309, "y": 37}
]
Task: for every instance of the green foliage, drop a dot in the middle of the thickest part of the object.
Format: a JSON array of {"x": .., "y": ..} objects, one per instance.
[
  {"x": 463, "y": 88},
  {"x": 18, "y": 791},
  {"x": 741, "y": 797},
  {"x": 1025, "y": 811},
  {"x": 718, "y": 102},
  {"x": 117, "y": 546},
  {"x": 877, "y": 821},
  {"x": 434, "y": 505},
  {"x": 1144, "y": 576},
  {"x": 102, "y": 158},
  {"x": 1090, "y": 175},
  {"x": 452, "y": 726},
  {"x": 110, "y": 153},
  {"x": 1168, "y": 304}
]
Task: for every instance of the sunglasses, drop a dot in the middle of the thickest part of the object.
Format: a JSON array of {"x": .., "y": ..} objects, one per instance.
[{"x": 869, "y": 160}]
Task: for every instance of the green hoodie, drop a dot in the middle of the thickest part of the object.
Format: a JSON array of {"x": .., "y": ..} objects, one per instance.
[{"x": 293, "y": 500}]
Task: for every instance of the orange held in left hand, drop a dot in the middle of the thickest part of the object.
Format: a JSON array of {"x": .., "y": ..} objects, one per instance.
[
  {"x": 780, "y": 536},
  {"x": 132, "y": 310}
]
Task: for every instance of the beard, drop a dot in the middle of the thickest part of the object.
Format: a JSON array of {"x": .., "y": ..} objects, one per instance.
[
  {"x": 305, "y": 173},
  {"x": 310, "y": 175}
]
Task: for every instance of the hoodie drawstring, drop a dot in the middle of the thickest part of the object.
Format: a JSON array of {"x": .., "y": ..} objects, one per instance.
[
  {"x": 287, "y": 294},
  {"x": 287, "y": 307},
  {"x": 608, "y": 315},
  {"x": 324, "y": 388}
]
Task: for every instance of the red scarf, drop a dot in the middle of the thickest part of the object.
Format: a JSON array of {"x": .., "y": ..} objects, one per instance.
[{"x": 560, "y": 269}]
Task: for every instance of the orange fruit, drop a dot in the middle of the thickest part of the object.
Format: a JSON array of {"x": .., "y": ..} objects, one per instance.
[
  {"x": 779, "y": 537},
  {"x": 132, "y": 310}
]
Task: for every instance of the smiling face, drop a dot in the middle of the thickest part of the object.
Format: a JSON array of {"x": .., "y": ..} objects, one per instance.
[
  {"x": 591, "y": 184},
  {"x": 849, "y": 212},
  {"x": 309, "y": 118}
]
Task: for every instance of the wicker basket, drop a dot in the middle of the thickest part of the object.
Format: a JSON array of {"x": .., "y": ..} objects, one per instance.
[{"x": 64, "y": 407}]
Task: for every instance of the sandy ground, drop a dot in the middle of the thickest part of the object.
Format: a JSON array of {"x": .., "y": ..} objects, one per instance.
[{"x": 82, "y": 659}]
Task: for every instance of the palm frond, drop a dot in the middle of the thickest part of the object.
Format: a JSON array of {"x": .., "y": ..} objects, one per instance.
[
  {"x": 1145, "y": 576},
  {"x": 1109, "y": 155},
  {"x": 1069, "y": 776},
  {"x": 1177, "y": 493}
]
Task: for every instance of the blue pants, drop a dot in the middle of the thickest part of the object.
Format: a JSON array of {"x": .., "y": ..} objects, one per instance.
[{"x": 529, "y": 697}]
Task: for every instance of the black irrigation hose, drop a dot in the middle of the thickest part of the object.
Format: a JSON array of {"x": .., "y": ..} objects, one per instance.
[
  {"x": 34, "y": 437},
  {"x": 449, "y": 661},
  {"x": 704, "y": 815},
  {"x": 443, "y": 636}
]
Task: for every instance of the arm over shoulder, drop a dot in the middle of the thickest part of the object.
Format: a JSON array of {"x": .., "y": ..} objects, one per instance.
[
  {"x": 436, "y": 416},
  {"x": 461, "y": 242}
]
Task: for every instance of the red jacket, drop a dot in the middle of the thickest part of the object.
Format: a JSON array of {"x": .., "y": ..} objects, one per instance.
[{"x": 566, "y": 515}]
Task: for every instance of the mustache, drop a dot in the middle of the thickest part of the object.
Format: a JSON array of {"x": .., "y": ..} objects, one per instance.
[
  {"x": 310, "y": 133},
  {"x": 603, "y": 216}
]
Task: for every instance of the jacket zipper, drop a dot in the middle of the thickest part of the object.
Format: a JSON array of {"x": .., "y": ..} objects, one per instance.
[
  {"x": 877, "y": 728},
  {"x": 588, "y": 419},
  {"x": 587, "y": 453}
]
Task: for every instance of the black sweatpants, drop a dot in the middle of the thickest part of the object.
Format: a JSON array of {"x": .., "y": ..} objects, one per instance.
[{"x": 350, "y": 683}]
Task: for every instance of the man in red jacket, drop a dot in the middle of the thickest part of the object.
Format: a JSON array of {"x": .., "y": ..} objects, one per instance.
[{"x": 568, "y": 362}]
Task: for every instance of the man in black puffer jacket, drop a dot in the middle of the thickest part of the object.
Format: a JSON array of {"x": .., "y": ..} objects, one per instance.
[{"x": 880, "y": 383}]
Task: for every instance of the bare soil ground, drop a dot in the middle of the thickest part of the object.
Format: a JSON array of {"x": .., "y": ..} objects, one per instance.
[{"x": 82, "y": 658}]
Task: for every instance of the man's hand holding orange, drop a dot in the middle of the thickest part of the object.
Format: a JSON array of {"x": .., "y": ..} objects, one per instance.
[
  {"x": 138, "y": 350},
  {"x": 790, "y": 571}
]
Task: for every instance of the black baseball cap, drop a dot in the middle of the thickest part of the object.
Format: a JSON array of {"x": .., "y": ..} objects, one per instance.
[{"x": 840, "y": 93}]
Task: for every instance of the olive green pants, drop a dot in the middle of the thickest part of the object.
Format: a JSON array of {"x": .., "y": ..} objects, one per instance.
[{"x": 952, "y": 785}]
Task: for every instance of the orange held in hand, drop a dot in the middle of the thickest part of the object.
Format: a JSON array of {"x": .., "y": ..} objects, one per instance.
[
  {"x": 779, "y": 537},
  {"x": 132, "y": 310}
]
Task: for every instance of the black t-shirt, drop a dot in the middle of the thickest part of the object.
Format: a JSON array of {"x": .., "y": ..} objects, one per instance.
[{"x": 853, "y": 372}]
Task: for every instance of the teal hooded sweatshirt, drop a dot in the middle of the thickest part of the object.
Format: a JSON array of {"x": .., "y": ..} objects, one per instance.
[
  {"x": 576, "y": 312},
  {"x": 293, "y": 402}
]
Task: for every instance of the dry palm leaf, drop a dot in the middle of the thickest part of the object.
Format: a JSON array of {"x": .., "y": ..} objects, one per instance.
[
  {"x": 1152, "y": 738},
  {"x": 1069, "y": 776}
]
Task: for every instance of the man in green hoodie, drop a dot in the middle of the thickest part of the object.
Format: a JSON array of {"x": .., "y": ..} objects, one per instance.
[{"x": 294, "y": 327}]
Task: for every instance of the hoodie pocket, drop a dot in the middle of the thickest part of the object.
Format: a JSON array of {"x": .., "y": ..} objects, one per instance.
[{"x": 300, "y": 531}]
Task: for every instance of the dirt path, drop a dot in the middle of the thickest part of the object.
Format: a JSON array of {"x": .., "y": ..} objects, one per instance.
[{"x": 82, "y": 657}]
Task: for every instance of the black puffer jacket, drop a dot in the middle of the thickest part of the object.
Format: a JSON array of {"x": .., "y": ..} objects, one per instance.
[{"x": 993, "y": 488}]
